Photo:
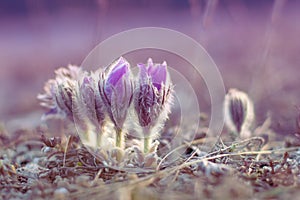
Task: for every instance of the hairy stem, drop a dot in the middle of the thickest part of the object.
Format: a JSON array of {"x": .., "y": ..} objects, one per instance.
[
  {"x": 147, "y": 143},
  {"x": 119, "y": 138}
]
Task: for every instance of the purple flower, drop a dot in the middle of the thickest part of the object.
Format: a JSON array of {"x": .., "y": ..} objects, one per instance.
[
  {"x": 59, "y": 92},
  {"x": 238, "y": 113},
  {"x": 90, "y": 103},
  {"x": 89, "y": 111},
  {"x": 152, "y": 99},
  {"x": 58, "y": 98},
  {"x": 153, "y": 94},
  {"x": 116, "y": 89},
  {"x": 157, "y": 73}
]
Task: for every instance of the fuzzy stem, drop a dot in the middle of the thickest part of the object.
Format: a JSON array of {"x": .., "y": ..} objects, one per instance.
[
  {"x": 119, "y": 138},
  {"x": 147, "y": 142},
  {"x": 99, "y": 138},
  {"x": 91, "y": 135},
  {"x": 101, "y": 134}
]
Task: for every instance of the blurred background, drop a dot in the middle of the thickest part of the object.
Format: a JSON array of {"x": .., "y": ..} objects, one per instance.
[{"x": 254, "y": 43}]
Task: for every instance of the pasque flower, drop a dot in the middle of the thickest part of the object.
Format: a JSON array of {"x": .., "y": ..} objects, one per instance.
[
  {"x": 238, "y": 112},
  {"x": 89, "y": 99},
  {"x": 152, "y": 99},
  {"x": 90, "y": 102},
  {"x": 89, "y": 110},
  {"x": 59, "y": 92},
  {"x": 116, "y": 89}
]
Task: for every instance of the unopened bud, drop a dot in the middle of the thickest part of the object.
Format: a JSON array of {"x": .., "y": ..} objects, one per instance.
[{"x": 238, "y": 113}]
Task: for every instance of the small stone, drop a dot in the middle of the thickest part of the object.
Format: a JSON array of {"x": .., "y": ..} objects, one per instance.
[
  {"x": 84, "y": 181},
  {"x": 60, "y": 193}
]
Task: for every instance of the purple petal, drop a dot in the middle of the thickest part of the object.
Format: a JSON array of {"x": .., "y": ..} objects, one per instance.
[
  {"x": 150, "y": 66},
  {"x": 87, "y": 92},
  {"x": 117, "y": 91},
  {"x": 143, "y": 74},
  {"x": 158, "y": 74},
  {"x": 86, "y": 80},
  {"x": 118, "y": 71},
  {"x": 52, "y": 111}
]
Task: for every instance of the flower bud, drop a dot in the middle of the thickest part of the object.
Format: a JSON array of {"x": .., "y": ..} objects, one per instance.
[
  {"x": 116, "y": 90},
  {"x": 58, "y": 95},
  {"x": 152, "y": 99},
  {"x": 89, "y": 112},
  {"x": 89, "y": 102},
  {"x": 238, "y": 113}
]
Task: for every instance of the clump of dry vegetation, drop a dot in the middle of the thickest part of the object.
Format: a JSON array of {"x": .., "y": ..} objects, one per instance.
[{"x": 37, "y": 166}]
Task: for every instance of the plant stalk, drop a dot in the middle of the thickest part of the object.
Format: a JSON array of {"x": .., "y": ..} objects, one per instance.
[
  {"x": 147, "y": 143},
  {"x": 119, "y": 138}
]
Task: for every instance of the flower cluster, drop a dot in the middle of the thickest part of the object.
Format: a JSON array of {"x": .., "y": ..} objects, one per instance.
[{"x": 111, "y": 96}]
